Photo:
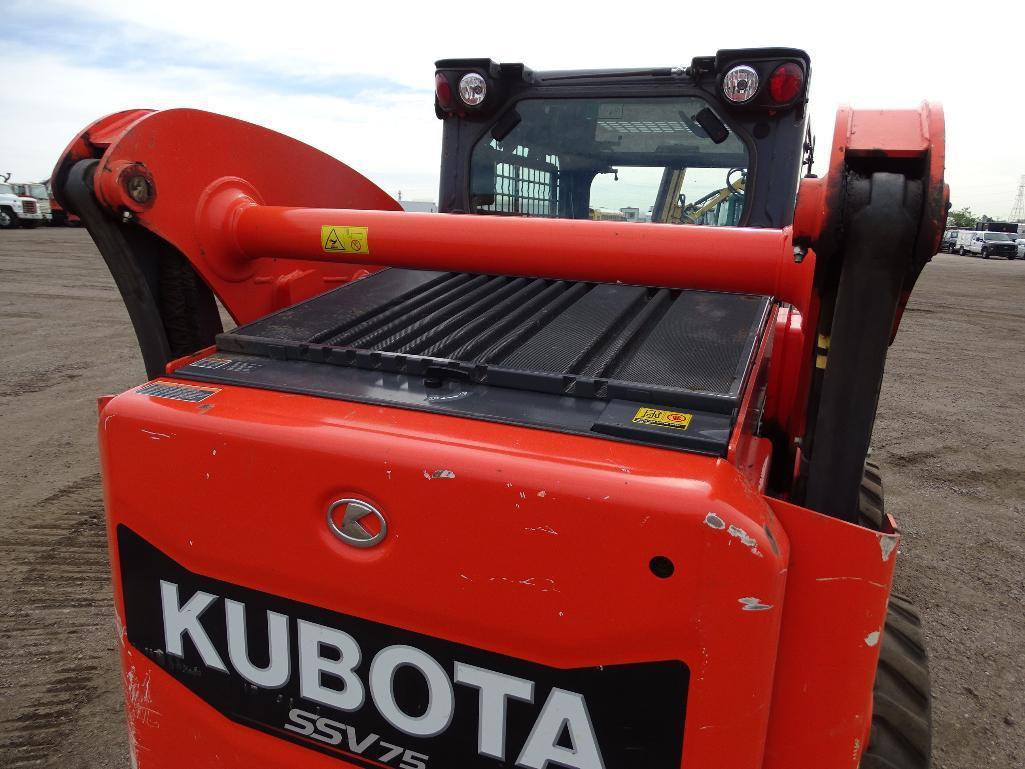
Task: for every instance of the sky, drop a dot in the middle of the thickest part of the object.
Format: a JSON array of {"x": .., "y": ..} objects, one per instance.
[{"x": 356, "y": 79}]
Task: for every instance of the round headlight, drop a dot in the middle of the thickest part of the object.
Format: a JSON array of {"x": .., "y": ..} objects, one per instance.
[
  {"x": 740, "y": 84},
  {"x": 472, "y": 89}
]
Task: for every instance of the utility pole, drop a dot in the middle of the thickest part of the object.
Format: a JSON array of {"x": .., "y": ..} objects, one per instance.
[{"x": 1018, "y": 209}]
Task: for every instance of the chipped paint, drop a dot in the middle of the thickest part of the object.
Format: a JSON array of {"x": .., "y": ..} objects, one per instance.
[
  {"x": 542, "y": 530},
  {"x": 887, "y": 544},
  {"x": 544, "y": 584},
  {"x": 857, "y": 749},
  {"x": 443, "y": 474},
  {"x": 851, "y": 579},
  {"x": 542, "y": 493},
  {"x": 745, "y": 539},
  {"x": 753, "y": 604},
  {"x": 523, "y": 495},
  {"x": 872, "y": 638},
  {"x": 713, "y": 521}
]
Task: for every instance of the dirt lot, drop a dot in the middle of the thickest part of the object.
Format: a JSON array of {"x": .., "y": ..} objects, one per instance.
[{"x": 950, "y": 441}]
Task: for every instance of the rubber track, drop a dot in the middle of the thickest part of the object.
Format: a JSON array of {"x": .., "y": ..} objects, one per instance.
[{"x": 901, "y": 735}]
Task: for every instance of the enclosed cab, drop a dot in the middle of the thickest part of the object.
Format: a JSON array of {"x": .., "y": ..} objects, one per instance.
[
  {"x": 674, "y": 145},
  {"x": 17, "y": 209}
]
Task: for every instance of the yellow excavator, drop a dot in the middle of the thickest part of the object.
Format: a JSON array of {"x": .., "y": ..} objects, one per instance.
[{"x": 671, "y": 206}]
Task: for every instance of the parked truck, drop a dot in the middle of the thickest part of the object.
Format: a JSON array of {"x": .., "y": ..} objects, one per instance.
[
  {"x": 37, "y": 191},
  {"x": 987, "y": 243},
  {"x": 17, "y": 209}
]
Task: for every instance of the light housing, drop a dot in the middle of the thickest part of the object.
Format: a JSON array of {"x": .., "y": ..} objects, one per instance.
[
  {"x": 472, "y": 89},
  {"x": 740, "y": 84}
]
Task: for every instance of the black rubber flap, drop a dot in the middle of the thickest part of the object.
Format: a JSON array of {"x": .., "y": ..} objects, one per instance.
[{"x": 585, "y": 340}]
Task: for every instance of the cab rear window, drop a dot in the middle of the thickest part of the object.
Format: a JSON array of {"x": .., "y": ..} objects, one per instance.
[{"x": 666, "y": 159}]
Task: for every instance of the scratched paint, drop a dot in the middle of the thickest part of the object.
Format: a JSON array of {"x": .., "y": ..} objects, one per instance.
[{"x": 750, "y": 603}]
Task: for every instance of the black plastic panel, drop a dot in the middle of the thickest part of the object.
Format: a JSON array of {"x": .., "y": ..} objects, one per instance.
[
  {"x": 573, "y": 357},
  {"x": 601, "y": 341}
]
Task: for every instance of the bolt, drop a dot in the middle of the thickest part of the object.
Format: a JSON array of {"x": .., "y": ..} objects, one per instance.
[{"x": 139, "y": 188}]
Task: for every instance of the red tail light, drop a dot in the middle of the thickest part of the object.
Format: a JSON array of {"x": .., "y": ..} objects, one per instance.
[
  {"x": 785, "y": 82},
  {"x": 443, "y": 91}
]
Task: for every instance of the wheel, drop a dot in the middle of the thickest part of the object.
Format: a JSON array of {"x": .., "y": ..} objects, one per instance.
[
  {"x": 961, "y": 251},
  {"x": 8, "y": 221},
  {"x": 901, "y": 732}
]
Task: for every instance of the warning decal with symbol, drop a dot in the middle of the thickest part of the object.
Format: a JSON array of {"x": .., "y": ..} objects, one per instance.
[
  {"x": 662, "y": 418},
  {"x": 345, "y": 240}
]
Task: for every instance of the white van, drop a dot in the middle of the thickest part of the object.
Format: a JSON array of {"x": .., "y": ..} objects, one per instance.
[{"x": 986, "y": 244}]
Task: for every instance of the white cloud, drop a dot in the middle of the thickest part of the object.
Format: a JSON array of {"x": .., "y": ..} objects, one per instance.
[{"x": 222, "y": 57}]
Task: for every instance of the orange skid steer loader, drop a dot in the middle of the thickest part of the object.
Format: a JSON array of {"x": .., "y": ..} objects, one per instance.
[{"x": 506, "y": 486}]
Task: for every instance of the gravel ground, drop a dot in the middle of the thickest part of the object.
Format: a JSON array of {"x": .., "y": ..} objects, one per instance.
[{"x": 949, "y": 438}]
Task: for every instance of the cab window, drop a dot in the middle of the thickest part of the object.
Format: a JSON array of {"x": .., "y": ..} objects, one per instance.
[{"x": 668, "y": 160}]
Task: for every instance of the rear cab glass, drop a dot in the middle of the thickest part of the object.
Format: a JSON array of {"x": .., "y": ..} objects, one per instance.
[{"x": 652, "y": 159}]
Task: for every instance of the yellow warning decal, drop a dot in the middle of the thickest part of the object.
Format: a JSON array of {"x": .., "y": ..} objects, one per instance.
[
  {"x": 345, "y": 240},
  {"x": 662, "y": 418}
]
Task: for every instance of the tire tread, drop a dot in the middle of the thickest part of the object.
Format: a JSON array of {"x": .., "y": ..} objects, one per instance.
[{"x": 901, "y": 732}]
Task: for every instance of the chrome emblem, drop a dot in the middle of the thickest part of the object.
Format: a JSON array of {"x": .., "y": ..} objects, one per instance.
[{"x": 352, "y": 531}]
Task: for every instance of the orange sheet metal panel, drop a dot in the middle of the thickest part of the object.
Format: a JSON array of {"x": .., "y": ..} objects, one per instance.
[
  {"x": 530, "y": 548},
  {"x": 838, "y": 585},
  {"x": 887, "y": 132}
]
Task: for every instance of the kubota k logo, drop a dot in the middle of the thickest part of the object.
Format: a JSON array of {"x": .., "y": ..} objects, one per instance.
[{"x": 361, "y": 524}]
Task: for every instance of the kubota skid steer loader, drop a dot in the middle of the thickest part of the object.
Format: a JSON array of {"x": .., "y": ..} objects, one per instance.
[{"x": 507, "y": 486}]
